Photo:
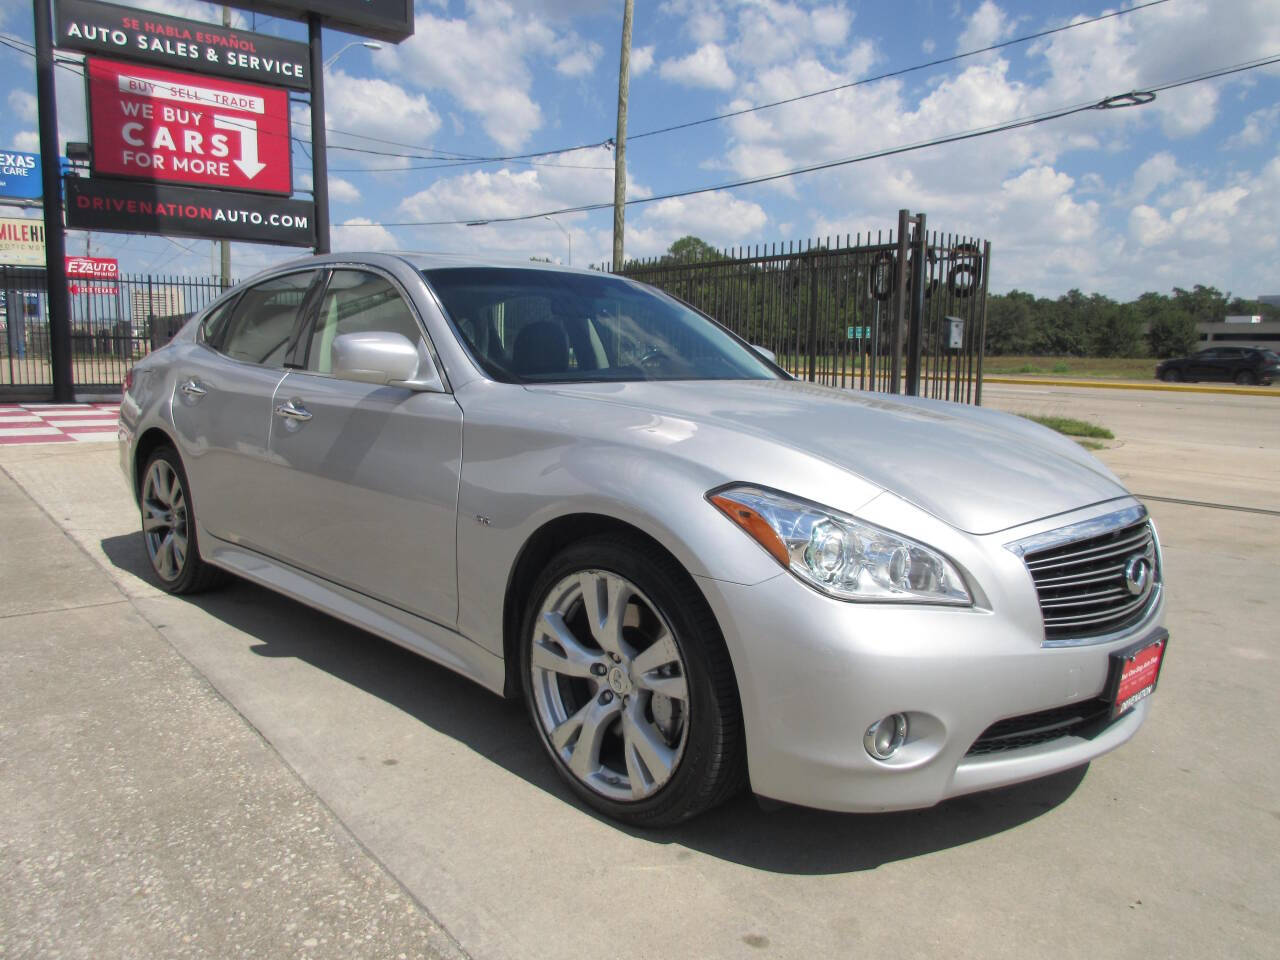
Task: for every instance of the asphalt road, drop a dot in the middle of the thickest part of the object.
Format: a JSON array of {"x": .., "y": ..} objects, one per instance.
[{"x": 388, "y": 775}]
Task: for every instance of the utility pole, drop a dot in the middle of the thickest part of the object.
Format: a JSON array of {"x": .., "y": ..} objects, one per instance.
[
  {"x": 620, "y": 141},
  {"x": 226, "y": 244}
]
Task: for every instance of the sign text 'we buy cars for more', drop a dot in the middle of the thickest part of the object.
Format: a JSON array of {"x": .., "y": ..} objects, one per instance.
[{"x": 177, "y": 127}]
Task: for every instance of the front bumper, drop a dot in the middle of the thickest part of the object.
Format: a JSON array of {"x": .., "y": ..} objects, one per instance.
[{"x": 813, "y": 673}]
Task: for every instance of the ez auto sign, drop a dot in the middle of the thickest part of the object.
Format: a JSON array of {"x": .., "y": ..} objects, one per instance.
[{"x": 176, "y": 127}]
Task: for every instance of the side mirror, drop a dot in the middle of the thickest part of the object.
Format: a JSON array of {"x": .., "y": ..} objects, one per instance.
[
  {"x": 383, "y": 358},
  {"x": 766, "y": 353}
]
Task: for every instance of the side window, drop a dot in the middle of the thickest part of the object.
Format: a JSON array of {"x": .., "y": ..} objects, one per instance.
[
  {"x": 213, "y": 326},
  {"x": 358, "y": 302},
  {"x": 262, "y": 322}
]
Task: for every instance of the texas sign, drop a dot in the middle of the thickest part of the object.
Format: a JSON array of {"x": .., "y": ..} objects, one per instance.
[{"x": 170, "y": 126}]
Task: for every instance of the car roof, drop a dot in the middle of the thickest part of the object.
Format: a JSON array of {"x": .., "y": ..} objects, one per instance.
[{"x": 421, "y": 260}]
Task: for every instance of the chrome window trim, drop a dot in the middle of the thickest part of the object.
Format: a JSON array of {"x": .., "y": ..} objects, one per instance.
[{"x": 1084, "y": 530}]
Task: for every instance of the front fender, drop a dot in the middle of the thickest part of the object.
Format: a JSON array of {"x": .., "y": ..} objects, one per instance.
[{"x": 504, "y": 501}]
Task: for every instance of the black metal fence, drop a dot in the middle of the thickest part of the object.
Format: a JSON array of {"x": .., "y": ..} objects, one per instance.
[
  {"x": 114, "y": 322},
  {"x": 849, "y": 315}
]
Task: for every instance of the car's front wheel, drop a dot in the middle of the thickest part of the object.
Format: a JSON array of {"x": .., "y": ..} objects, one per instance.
[
  {"x": 169, "y": 526},
  {"x": 629, "y": 683},
  {"x": 1245, "y": 378},
  {"x": 1171, "y": 376}
]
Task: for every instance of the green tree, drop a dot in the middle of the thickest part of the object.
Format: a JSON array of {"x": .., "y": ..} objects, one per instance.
[{"x": 689, "y": 249}]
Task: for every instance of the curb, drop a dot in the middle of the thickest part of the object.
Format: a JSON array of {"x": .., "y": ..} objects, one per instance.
[{"x": 1156, "y": 385}]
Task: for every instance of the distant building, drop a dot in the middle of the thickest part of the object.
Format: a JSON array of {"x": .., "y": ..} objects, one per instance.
[
  {"x": 1265, "y": 334},
  {"x": 158, "y": 300},
  {"x": 1270, "y": 299}
]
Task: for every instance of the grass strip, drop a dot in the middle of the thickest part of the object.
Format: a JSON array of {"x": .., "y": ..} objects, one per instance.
[{"x": 1072, "y": 427}]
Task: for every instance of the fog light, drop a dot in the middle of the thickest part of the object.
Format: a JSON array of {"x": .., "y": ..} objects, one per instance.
[{"x": 884, "y": 737}]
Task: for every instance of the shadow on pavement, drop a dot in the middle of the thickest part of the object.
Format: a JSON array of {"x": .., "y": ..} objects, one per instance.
[{"x": 789, "y": 840}]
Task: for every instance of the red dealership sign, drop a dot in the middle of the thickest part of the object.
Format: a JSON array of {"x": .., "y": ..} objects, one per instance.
[
  {"x": 104, "y": 270},
  {"x": 165, "y": 125}
]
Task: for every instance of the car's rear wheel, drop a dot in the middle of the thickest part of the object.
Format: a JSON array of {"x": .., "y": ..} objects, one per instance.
[
  {"x": 629, "y": 683},
  {"x": 168, "y": 526},
  {"x": 1171, "y": 376},
  {"x": 1245, "y": 378}
]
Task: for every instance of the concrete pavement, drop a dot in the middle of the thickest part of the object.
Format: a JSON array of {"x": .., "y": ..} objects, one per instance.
[
  {"x": 143, "y": 817},
  {"x": 1163, "y": 848}
]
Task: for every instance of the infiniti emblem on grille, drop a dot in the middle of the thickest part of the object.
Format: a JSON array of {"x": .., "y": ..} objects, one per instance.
[{"x": 1137, "y": 574}]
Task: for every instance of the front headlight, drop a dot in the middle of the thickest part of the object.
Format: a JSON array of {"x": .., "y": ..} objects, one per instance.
[{"x": 843, "y": 557}]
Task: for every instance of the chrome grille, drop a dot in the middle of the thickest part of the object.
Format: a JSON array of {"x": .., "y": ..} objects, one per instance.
[{"x": 1082, "y": 584}]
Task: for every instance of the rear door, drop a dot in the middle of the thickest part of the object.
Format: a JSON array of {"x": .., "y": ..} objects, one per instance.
[
  {"x": 367, "y": 475},
  {"x": 222, "y": 403}
]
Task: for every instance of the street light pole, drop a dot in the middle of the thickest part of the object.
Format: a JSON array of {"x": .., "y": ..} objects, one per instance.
[
  {"x": 367, "y": 44},
  {"x": 568, "y": 236}
]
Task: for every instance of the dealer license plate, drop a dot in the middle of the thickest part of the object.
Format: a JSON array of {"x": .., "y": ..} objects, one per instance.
[{"x": 1135, "y": 672}]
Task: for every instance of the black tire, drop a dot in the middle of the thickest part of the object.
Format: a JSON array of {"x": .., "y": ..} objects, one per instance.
[
  {"x": 1246, "y": 379},
  {"x": 177, "y": 572},
  {"x": 1171, "y": 376},
  {"x": 712, "y": 766}
]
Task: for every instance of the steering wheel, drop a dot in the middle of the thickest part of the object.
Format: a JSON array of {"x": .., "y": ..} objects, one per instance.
[{"x": 652, "y": 357}]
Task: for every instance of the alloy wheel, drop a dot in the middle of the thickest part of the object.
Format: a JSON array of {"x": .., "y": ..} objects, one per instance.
[
  {"x": 164, "y": 520},
  {"x": 609, "y": 685}
]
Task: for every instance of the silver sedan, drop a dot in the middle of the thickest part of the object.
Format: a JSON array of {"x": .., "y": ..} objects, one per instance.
[{"x": 697, "y": 572}]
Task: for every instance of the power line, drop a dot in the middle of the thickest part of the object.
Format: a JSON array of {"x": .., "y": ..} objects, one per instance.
[
  {"x": 898, "y": 73},
  {"x": 765, "y": 106},
  {"x": 1132, "y": 98},
  {"x": 452, "y": 158}
]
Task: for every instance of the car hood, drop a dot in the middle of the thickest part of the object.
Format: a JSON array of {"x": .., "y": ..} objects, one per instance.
[{"x": 978, "y": 470}]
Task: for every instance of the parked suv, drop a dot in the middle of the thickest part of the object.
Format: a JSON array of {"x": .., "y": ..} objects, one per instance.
[{"x": 1244, "y": 365}]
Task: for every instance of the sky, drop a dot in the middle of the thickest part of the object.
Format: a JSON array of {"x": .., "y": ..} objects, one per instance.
[{"x": 1184, "y": 190}]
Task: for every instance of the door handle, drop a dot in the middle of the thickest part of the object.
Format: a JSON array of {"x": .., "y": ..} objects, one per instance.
[
  {"x": 193, "y": 389},
  {"x": 293, "y": 410}
]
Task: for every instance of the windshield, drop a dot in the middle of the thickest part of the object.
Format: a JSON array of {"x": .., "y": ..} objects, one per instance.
[{"x": 536, "y": 326}]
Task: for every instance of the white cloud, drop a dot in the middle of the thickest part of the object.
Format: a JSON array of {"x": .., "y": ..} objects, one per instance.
[
  {"x": 27, "y": 141},
  {"x": 1158, "y": 170},
  {"x": 24, "y": 105},
  {"x": 719, "y": 217},
  {"x": 580, "y": 60},
  {"x": 705, "y": 67},
  {"x": 359, "y": 233},
  {"x": 374, "y": 107},
  {"x": 985, "y": 26},
  {"x": 641, "y": 60},
  {"x": 1259, "y": 127},
  {"x": 343, "y": 191},
  {"x": 484, "y": 61}
]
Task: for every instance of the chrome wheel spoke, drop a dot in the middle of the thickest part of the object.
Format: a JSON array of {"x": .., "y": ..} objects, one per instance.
[
  {"x": 655, "y": 669},
  {"x": 590, "y": 725},
  {"x": 164, "y": 557},
  {"x": 178, "y": 547},
  {"x": 605, "y": 598},
  {"x": 642, "y": 744},
  {"x": 154, "y": 519},
  {"x": 572, "y": 659}
]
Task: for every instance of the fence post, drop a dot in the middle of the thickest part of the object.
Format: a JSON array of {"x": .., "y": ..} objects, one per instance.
[
  {"x": 900, "y": 300},
  {"x": 813, "y": 318},
  {"x": 981, "y": 344},
  {"x": 915, "y": 333}
]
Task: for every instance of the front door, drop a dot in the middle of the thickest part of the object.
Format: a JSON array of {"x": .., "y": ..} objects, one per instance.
[{"x": 369, "y": 473}]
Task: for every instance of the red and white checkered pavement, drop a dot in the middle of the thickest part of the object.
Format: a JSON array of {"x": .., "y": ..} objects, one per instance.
[{"x": 57, "y": 422}]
